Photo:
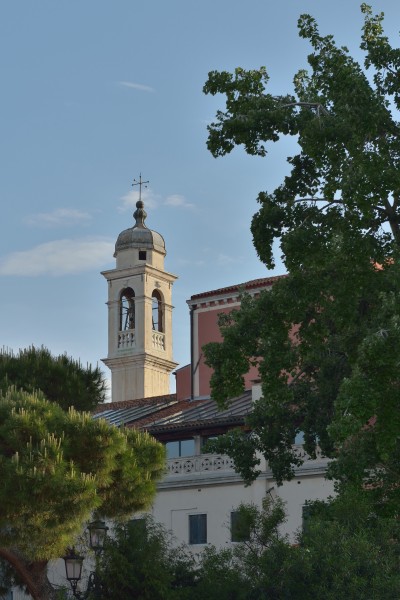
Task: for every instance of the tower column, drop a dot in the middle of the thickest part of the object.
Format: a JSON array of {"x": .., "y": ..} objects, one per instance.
[{"x": 139, "y": 314}]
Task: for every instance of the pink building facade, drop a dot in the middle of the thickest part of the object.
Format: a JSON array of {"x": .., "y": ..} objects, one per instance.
[{"x": 193, "y": 380}]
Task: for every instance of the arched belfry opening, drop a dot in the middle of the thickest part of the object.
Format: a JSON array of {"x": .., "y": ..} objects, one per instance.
[
  {"x": 126, "y": 320},
  {"x": 139, "y": 314},
  {"x": 157, "y": 311},
  {"x": 127, "y": 310}
]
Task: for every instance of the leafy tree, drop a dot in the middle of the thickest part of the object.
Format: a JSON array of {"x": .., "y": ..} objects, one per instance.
[
  {"x": 345, "y": 551},
  {"x": 326, "y": 337},
  {"x": 219, "y": 577},
  {"x": 140, "y": 561},
  {"x": 264, "y": 564},
  {"x": 351, "y": 552},
  {"x": 58, "y": 468},
  {"x": 61, "y": 378}
]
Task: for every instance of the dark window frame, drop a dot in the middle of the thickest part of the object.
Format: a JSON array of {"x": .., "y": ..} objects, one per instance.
[
  {"x": 127, "y": 310},
  {"x": 198, "y": 529},
  {"x": 306, "y": 513},
  {"x": 181, "y": 452},
  {"x": 157, "y": 312}
]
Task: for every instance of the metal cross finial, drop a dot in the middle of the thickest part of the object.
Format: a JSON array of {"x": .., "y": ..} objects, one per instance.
[{"x": 140, "y": 183}]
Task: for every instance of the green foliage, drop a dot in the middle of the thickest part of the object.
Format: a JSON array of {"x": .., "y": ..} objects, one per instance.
[
  {"x": 58, "y": 467},
  {"x": 351, "y": 551},
  {"x": 219, "y": 578},
  {"x": 239, "y": 445},
  {"x": 325, "y": 338},
  {"x": 345, "y": 552},
  {"x": 140, "y": 561},
  {"x": 61, "y": 378},
  {"x": 263, "y": 566}
]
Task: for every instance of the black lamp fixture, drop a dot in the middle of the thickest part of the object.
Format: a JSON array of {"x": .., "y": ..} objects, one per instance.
[
  {"x": 73, "y": 570},
  {"x": 73, "y": 561},
  {"x": 97, "y": 535}
]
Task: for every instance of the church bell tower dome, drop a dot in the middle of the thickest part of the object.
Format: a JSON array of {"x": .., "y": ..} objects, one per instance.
[
  {"x": 139, "y": 236},
  {"x": 139, "y": 313}
]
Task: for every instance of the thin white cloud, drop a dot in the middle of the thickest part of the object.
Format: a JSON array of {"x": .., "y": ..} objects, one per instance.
[
  {"x": 178, "y": 201},
  {"x": 60, "y": 257},
  {"x": 223, "y": 260},
  {"x": 151, "y": 201},
  {"x": 128, "y": 202},
  {"x": 136, "y": 86},
  {"x": 187, "y": 262},
  {"x": 60, "y": 216}
]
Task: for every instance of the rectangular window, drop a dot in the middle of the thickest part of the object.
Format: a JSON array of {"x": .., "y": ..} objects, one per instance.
[
  {"x": 305, "y": 516},
  {"x": 197, "y": 529},
  {"x": 177, "y": 448},
  {"x": 142, "y": 254},
  {"x": 240, "y": 528}
]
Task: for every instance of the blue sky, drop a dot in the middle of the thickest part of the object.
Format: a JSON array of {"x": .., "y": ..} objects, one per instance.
[{"x": 95, "y": 92}]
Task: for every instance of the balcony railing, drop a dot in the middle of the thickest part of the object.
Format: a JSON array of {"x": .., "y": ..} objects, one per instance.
[
  {"x": 126, "y": 339},
  {"x": 158, "y": 340},
  {"x": 218, "y": 463},
  {"x": 205, "y": 463}
]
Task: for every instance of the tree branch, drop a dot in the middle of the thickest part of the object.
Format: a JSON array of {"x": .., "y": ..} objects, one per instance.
[
  {"x": 319, "y": 200},
  {"x": 21, "y": 569},
  {"x": 393, "y": 219},
  {"x": 296, "y": 377},
  {"x": 316, "y": 105}
]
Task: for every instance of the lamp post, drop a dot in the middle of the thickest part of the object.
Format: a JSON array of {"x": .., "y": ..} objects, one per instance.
[
  {"x": 97, "y": 535},
  {"x": 73, "y": 561}
]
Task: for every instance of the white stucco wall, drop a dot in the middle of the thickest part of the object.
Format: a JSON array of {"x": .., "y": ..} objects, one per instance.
[{"x": 218, "y": 493}]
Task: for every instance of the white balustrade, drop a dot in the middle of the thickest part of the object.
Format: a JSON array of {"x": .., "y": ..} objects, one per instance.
[
  {"x": 207, "y": 463},
  {"x": 126, "y": 339},
  {"x": 158, "y": 340},
  {"x": 204, "y": 463}
]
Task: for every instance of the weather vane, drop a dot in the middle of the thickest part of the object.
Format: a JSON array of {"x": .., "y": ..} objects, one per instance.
[{"x": 140, "y": 183}]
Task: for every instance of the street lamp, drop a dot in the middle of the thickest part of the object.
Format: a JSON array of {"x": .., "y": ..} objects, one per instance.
[
  {"x": 97, "y": 535},
  {"x": 73, "y": 561},
  {"x": 73, "y": 569}
]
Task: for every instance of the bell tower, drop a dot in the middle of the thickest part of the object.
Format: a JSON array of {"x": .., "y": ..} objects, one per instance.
[{"x": 139, "y": 314}]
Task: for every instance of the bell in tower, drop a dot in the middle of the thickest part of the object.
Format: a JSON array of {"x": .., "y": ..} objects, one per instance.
[{"x": 139, "y": 314}]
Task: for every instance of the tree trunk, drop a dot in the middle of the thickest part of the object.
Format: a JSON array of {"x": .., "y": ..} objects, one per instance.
[{"x": 32, "y": 574}]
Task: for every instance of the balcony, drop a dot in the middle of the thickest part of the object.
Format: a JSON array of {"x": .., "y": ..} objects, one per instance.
[
  {"x": 211, "y": 469},
  {"x": 126, "y": 339},
  {"x": 205, "y": 463},
  {"x": 158, "y": 340}
]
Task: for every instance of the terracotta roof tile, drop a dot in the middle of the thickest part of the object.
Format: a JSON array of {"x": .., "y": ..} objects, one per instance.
[
  {"x": 153, "y": 400},
  {"x": 155, "y": 415},
  {"x": 248, "y": 285},
  {"x": 173, "y": 409}
]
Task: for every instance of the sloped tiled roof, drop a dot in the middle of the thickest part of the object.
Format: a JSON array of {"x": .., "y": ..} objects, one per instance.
[
  {"x": 157, "y": 416},
  {"x": 131, "y": 411},
  {"x": 203, "y": 412},
  {"x": 154, "y": 400},
  {"x": 248, "y": 285}
]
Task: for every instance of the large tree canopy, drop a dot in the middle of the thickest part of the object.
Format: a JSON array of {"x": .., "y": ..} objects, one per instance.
[
  {"x": 58, "y": 468},
  {"x": 142, "y": 560},
  {"x": 61, "y": 378},
  {"x": 326, "y": 339}
]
